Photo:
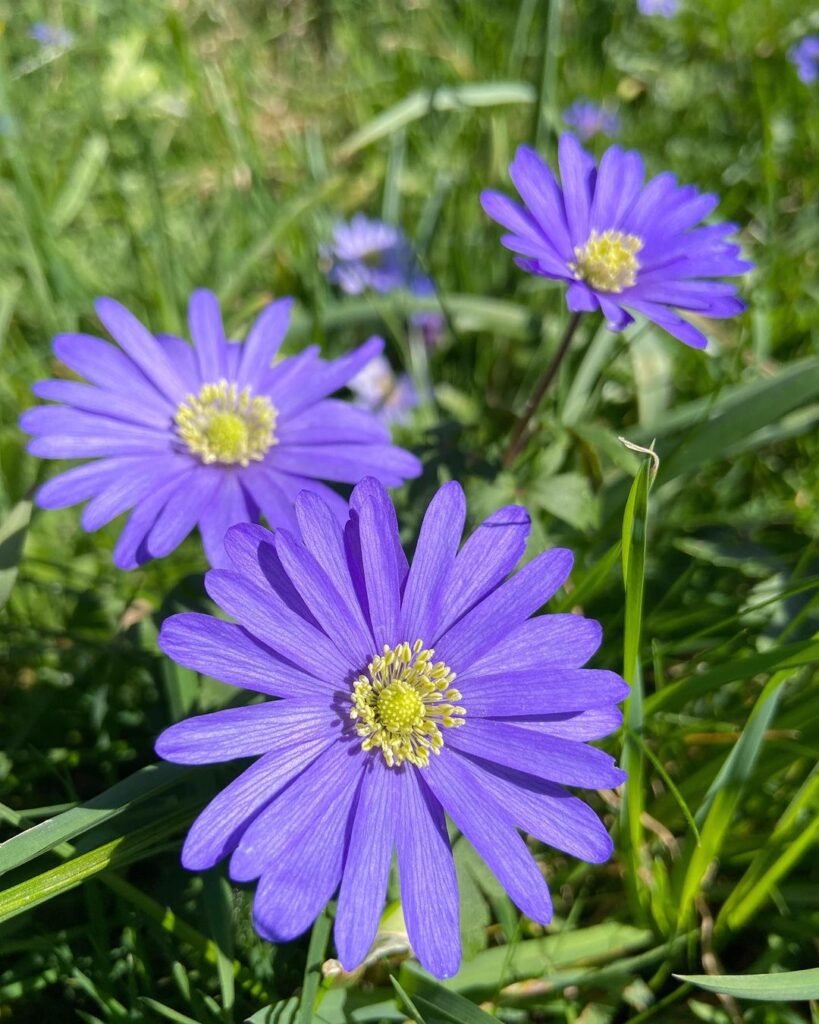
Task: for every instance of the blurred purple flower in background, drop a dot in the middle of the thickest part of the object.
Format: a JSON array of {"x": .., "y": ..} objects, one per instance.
[
  {"x": 804, "y": 56},
  {"x": 203, "y": 435},
  {"x": 367, "y": 744},
  {"x": 589, "y": 119},
  {"x": 618, "y": 244},
  {"x": 54, "y": 36},
  {"x": 389, "y": 396},
  {"x": 367, "y": 254},
  {"x": 430, "y": 322},
  {"x": 662, "y": 8}
]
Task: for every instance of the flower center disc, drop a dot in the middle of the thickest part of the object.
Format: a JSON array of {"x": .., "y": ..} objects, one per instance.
[
  {"x": 225, "y": 424},
  {"x": 402, "y": 702},
  {"x": 608, "y": 261}
]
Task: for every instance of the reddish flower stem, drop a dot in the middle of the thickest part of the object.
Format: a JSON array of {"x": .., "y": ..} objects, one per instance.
[{"x": 518, "y": 438}]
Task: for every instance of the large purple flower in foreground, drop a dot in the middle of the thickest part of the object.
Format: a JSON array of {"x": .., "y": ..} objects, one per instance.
[
  {"x": 206, "y": 435},
  {"x": 406, "y": 692},
  {"x": 620, "y": 245}
]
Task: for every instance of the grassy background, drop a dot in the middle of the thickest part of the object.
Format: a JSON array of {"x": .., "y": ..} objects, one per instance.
[{"x": 180, "y": 143}]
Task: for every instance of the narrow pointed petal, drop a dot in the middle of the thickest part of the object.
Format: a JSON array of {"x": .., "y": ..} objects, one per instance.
[
  {"x": 295, "y": 887},
  {"x": 485, "y": 560},
  {"x": 299, "y": 813},
  {"x": 367, "y": 866},
  {"x": 263, "y": 341},
  {"x": 480, "y": 817},
  {"x": 229, "y": 653},
  {"x": 324, "y": 538},
  {"x": 432, "y": 563},
  {"x": 243, "y": 732},
  {"x": 549, "y": 757},
  {"x": 142, "y": 347},
  {"x": 427, "y": 873},
  {"x": 504, "y": 609},
  {"x": 208, "y": 334},
  {"x": 216, "y": 831},
  {"x": 383, "y": 569},
  {"x": 321, "y": 597},
  {"x": 544, "y": 810}
]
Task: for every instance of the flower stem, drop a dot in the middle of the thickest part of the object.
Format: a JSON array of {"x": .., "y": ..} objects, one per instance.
[{"x": 518, "y": 437}]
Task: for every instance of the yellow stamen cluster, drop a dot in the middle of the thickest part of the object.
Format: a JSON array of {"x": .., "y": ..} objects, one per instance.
[
  {"x": 402, "y": 702},
  {"x": 608, "y": 260},
  {"x": 223, "y": 423}
]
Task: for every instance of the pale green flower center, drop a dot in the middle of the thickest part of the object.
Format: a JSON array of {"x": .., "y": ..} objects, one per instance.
[
  {"x": 225, "y": 424},
  {"x": 608, "y": 260},
  {"x": 402, "y": 702}
]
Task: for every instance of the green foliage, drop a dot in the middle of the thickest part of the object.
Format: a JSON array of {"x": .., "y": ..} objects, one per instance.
[
  {"x": 787, "y": 986},
  {"x": 212, "y": 143}
]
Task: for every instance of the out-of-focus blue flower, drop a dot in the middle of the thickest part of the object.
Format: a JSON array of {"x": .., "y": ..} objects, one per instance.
[
  {"x": 589, "y": 119},
  {"x": 619, "y": 244},
  {"x": 367, "y": 254},
  {"x": 202, "y": 436},
  {"x": 663, "y": 8},
  {"x": 389, "y": 396},
  {"x": 54, "y": 36},
  {"x": 430, "y": 322},
  {"x": 367, "y": 744},
  {"x": 804, "y": 56}
]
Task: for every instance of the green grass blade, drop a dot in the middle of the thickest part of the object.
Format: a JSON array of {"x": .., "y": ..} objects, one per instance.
[
  {"x": 720, "y": 804},
  {"x": 635, "y": 521},
  {"x": 406, "y": 1002},
  {"x": 77, "y": 189},
  {"x": 789, "y": 986},
  {"x": 540, "y": 958},
  {"x": 147, "y": 782},
  {"x": 316, "y": 952},
  {"x": 794, "y": 835},
  {"x": 675, "y": 696},
  {"x": 432, "y": 999},
  {"x": 119, "y": 852},
  {"x": 425, "y": 101},
  {"x": 12, "y": 536}
]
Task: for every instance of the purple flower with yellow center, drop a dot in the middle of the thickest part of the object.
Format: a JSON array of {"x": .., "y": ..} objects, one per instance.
[
  {"x": 620, "y": 245},
  {"x": 804, "y": 56},
  {"x": 589, "y": 119},
  {"x": 204, "y": 435},
  {"x": 405, "y": 692},
  {"x": 367, "y": 254}
]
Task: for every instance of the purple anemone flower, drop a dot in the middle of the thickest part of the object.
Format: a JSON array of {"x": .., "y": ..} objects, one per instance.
[
  {"x": 389, "y": 396},
  {"x": 405, "y": 692},
  {"x": 589, "y": 119},
  {"x": 804, "y": 56},
  {"x": 661, "y": 8},
  {"x": 206, "y": 435},
  {"x": 367, "y": 254},
  {"x": 620, "y": 245}
]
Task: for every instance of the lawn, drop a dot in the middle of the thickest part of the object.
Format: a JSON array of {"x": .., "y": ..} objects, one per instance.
[{"x": 150, "y": 149}]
